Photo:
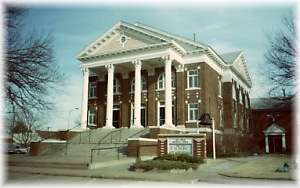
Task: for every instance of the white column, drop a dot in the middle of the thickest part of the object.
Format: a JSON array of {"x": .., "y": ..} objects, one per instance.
[
  {"x": 267, "y": 143},
  {"x": 137, "y": 94},
  {"x": 84, "y": 102},
  {"x": 168, "y": 93},
  {"x": 214, "y": 138},
  {"x": 110, "y": 96},
  {"x": 283, "y": 142}
]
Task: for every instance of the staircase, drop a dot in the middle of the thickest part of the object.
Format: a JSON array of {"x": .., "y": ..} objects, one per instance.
[{"x": 80, "y": 146}]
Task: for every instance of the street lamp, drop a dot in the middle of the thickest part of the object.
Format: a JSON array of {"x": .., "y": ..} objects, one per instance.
[{"x": 67, "y": 132}]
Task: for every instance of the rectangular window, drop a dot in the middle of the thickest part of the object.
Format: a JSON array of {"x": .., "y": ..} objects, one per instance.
[
  {"x": 192, "y": 79},
  {"x": 92, "y": 118},
  {"x": 92, "y": 90},
  {"x": 193, "y": 112}
]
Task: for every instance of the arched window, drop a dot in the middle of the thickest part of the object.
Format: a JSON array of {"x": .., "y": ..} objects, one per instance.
[
  {"x": 241, "y": 96},
  {"x": 143, "y": 84},
  {"x": 235, "y": 120},
  {"x": 161, "y": 81},
  {"x": 233, "y": 91},
  {"x": 220, "y": 88},
  {"x": 117, "y": 86}
]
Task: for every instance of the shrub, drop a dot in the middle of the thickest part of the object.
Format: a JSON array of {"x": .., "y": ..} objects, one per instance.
[
  {"x": 162, "y": 165},
  {"x": 167, "y": 162},
  {"x": 180, "y": 157}
]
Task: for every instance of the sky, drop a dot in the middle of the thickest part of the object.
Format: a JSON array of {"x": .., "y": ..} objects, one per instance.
[{"x": 225, "y": 28}]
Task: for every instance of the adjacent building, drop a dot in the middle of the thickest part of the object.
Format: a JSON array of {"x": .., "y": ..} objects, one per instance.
[
  {"x": 273, "y": 125},
  {"x": 138, "y": 76}
]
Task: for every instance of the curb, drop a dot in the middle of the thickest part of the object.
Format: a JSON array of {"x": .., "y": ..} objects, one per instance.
[{"x": 249, "y": 177}]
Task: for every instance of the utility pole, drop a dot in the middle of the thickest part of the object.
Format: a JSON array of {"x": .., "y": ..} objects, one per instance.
[{"x": 194, "y": 37}]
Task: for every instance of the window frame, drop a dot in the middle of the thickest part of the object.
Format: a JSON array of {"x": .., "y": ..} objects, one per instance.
[
  {"x": 92, "y": 113},
  {"x": 92, "y": 90},
  {"x": 220, "y": 93},
  {"x": 191, "y": 110},
  {"x": 221, "y": 113},
  {"x": 143, "y": 83},
  {"x": 161, "y": 79},
  {"x": 116, "y": 86},
  {"x": 194, "y": 77},
  {"x": 233, "y": 91}
]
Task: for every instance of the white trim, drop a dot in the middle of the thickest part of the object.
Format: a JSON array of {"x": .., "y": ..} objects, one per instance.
[
  {"x": 190, "y": 120},
  {"x": 193, "y": 88},
  {"x": 143, "y": 139},
  {"x": 194, "y": 75}
]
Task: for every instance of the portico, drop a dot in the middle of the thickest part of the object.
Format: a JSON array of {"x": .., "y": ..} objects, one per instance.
[{"x": 136, "y": 66}]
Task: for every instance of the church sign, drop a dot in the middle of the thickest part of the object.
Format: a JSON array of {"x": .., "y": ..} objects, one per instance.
[
  {"x": 180, "y": 145},
  {"x": 191, "y": 144}
]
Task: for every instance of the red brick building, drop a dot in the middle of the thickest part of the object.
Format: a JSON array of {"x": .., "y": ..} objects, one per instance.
[
  {"x": 138, "y": 76},
  {"x": 273, "y": 125}
]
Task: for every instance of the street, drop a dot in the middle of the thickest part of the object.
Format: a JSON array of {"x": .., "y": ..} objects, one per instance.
[{"x": 14, "y": 178}]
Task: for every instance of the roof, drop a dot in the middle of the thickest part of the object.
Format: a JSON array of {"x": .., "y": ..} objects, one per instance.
[
  {"x": 274, "y": 128},
  {"x": 230, "y": 57},
  {"x": 269, "y": 103}
]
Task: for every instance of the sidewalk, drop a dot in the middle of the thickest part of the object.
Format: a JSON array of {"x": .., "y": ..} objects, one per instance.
[
  {"x": 249, "y": 167},
  {"x": 263, "y": 167}
]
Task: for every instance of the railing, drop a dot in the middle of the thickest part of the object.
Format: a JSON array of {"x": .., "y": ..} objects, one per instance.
[
  {"x": 111, "y": 136},
  {"x": 143, "y": 130},
  {"x": 100, "y": 149}
]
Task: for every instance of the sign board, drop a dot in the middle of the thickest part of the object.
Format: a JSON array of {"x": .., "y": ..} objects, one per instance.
[{"x": 180, "y": 145}]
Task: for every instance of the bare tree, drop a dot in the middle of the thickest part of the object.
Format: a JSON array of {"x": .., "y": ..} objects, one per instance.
[
  {"x": 24, "y": 130},
  {"x": 30, "y": 67},
  {"x": 281, "y": 58}
]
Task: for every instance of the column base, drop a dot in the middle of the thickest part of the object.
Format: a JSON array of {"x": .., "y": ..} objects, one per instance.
[
  {"x": 137, "y": 126},
  {"x": 168, "y": 125},
  {"x": 108, "y": 127}
]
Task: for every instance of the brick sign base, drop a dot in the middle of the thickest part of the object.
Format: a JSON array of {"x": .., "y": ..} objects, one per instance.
[{"x": 198, "y": 143}]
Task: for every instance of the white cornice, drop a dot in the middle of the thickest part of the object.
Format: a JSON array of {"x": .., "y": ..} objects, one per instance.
[{"x": 100, "y": 38}]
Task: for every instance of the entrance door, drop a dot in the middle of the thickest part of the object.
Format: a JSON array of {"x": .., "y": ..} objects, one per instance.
[
  {"x": 275, "y": 144},
  {"x": 161, "y": 115},
  {"x": 116, "y": 116}
]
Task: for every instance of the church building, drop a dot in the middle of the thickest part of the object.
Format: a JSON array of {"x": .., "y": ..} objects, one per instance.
[{"x": 139, "y": 76}]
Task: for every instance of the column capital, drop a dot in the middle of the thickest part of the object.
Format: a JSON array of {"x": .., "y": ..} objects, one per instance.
[
  {"x": 179, "y": 68},
  {"x": 166, "y": 57},
  {"x": 84, "y": 69},
  {"x": 109, "y": 67},
  {"x": 137, "y": 63}
]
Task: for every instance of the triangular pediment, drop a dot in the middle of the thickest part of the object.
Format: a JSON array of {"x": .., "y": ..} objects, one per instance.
[
  {"x": 136, "y": 36},
  {"x": 123, "y": 41},
  {"x": 240, "y": 66}
]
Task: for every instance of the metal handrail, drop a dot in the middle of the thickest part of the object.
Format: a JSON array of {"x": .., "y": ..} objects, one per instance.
[
  {"x": 143, "y": 130},
  {"x": 109, "y": 134},
  {"x": 100, "y": 149}
]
